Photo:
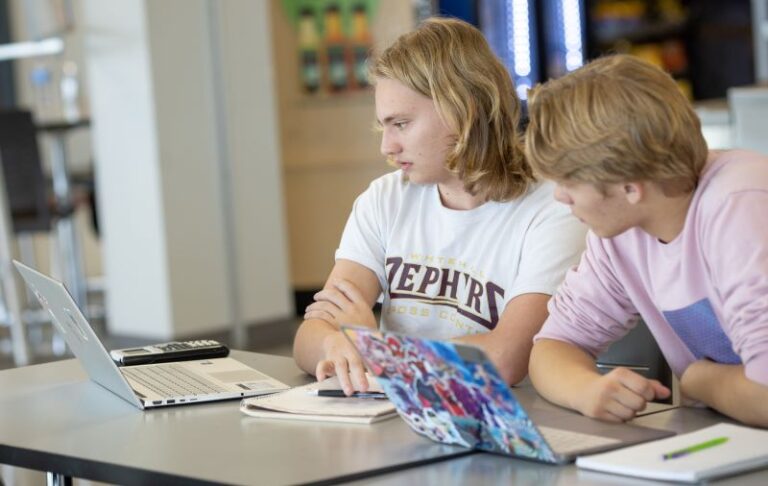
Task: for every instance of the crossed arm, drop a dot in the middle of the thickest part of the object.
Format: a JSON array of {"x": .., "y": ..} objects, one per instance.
[{"x": 321, "y": 349}]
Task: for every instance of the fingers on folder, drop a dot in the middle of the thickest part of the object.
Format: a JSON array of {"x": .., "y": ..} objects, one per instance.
[{"x": 351, "y": 373}]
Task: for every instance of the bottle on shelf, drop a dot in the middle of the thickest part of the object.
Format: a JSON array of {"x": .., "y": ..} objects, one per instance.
[
  {"x": 361, "y": 45},
  {"x": 335, "y": 48},
  {"x": 309, "y": 51}
]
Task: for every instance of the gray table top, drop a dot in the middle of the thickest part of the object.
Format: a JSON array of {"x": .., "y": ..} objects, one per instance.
[
  {"x": 52, "y": 418},
  {"x": 487, "y": 468}
]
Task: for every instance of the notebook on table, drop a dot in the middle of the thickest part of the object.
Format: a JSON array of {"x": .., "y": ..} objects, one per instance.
[
  {"x": 452, "y": 393},
  {"x": 144, "y": 386},
  {"x": 715, "y": 451},
  {"x": 303, "y": 403}
]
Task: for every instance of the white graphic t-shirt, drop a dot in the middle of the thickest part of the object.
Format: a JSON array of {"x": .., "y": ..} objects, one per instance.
[{"x": 447, "y": 273}]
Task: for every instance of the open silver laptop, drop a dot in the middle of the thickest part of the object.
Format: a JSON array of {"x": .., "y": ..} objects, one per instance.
[{"x": 145, "y": 386}]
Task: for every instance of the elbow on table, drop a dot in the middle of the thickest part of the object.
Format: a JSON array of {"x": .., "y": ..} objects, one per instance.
[
  {"x": 301, "y": 361},
  {"x": 514, "y": 374},
  {"x": 300, "y": 345},
  {"x": 540, "y": 367}
]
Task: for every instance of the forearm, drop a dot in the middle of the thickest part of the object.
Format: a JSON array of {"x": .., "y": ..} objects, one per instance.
[
  {"x": 510, "y": 360},
  {"x": 560, "y": 371},
  {"x": 508, "y": 345},
  {"x": 308, "y": 348},
  {"x": 727, "y": 389}
]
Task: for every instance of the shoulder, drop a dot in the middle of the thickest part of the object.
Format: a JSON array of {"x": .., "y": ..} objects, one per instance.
[
  {"x": 393, "y": 185},
  {"x": 536, "y": 217},
  {"x": 541, "y": 204},
  {"x": 540, "y": 196},
  {"x": 388, "y": 196},
  {"x": 384, "y": 191},
  {"x": 733, "y": 171},
  {"x": 389, "y": 183},
  {"x": 540, "y": 193}
]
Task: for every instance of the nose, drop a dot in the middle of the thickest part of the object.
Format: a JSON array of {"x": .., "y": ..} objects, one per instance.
[
  {"x": 562, "y": 196},
  {"x": 389, "y": 144}
]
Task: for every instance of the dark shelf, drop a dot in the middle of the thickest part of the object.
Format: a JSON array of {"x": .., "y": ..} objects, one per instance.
[{"x": 645, "y": 32}]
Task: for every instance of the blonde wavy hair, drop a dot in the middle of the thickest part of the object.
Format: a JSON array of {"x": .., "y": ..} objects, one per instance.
[
  {"x": 450, "y": 62},
  {"x": 617, "y": 119}
]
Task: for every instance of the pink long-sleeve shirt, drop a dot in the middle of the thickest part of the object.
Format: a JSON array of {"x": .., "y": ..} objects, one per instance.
[{"x": 703, "y": 295}]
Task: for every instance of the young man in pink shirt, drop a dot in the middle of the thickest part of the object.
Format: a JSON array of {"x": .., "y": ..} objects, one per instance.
[{"x": 679, "y": 238}]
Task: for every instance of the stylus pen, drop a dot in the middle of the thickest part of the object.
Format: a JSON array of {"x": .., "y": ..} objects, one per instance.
[
  {"x": 341, "y": 394},
  {"x": 694, "y": 448}
]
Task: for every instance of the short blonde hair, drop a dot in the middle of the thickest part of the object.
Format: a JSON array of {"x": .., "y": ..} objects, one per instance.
[
  {"x": 617, "y": 119},
  {"x": 450, "y": 62}
]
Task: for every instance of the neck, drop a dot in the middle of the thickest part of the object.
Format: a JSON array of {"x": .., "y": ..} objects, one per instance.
[
  {"x": 454, "y": 196},
  {"x": 669, "y": 214}
]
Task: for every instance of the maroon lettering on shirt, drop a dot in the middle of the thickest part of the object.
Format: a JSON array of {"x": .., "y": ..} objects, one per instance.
[
  {"x": 442, "y": 286},
  {"x": 406, "y": 275}
]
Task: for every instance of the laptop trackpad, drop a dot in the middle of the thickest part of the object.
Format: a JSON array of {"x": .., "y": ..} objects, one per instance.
[{"x": 628, "y": 433}]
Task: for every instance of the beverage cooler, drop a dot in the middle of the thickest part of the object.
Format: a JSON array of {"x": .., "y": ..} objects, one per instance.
[
  {"x": 536, "y": 39},
  {"x": 706, "y": 45},
  {"x": 512, "y": 30}
]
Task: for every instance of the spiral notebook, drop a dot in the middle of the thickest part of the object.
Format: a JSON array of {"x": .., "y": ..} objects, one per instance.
[{"x": 301, "y": 404}]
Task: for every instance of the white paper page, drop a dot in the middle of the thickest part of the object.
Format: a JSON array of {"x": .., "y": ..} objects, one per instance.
[{"x": 745, "y": 448}]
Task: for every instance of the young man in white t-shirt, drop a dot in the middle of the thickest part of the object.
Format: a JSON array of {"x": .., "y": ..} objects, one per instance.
[{"x": 461, "y": 242}]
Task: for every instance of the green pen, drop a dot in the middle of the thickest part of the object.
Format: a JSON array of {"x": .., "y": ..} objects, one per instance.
[{"x": 694, "y": 448}]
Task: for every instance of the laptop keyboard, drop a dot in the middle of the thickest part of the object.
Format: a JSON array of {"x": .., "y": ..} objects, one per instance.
[
  {"x": 171, "y": 380},
  {"x": 567, "y": 441}
]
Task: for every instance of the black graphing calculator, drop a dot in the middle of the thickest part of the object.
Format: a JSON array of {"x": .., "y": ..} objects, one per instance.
[{"x": 175, "y": 351}]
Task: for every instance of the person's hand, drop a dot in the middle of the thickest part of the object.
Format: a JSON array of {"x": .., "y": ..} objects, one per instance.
[
  {"x": 341, "y": 303},
  {"x": 342, "y": 360},
  {"x": 619, "y": 395}
]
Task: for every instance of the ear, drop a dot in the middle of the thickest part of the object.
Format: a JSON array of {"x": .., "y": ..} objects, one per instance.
[{"x": 633, "y": 191}]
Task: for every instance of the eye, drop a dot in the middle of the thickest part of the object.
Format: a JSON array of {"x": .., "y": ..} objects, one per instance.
[{"x": 400, "y": 125}]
